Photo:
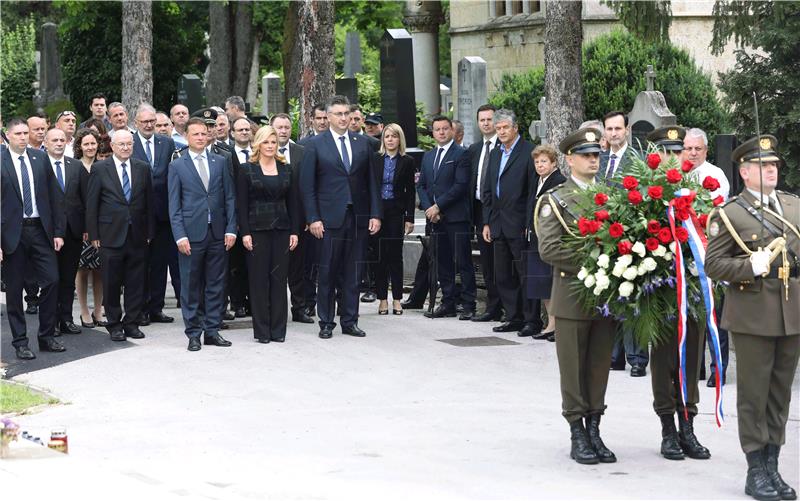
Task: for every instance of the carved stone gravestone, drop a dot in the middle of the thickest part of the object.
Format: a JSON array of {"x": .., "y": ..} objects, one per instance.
[
  {"x": 272, "y": 99},
  {"x": 537, "y": 129},
  {"x": 472, "y": 93},
  {"x": 190, "y": 92},
  {"x": 50, "y": 88},
  {"x": 398, "y": 103},
  {"x": 352, "y": 55},
  {"x": 649, "y": 112}
]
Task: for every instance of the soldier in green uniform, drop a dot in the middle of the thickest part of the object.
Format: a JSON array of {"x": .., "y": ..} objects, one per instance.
[
  {"x": 584, "y": 339},
  {"x": 664, "y": 376},
  {"x": 754, "y": 244}
]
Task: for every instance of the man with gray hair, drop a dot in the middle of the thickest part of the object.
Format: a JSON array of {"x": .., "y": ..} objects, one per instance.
[
  {"x": 695, "y": 150},
  {"x": 118, "y": 116},
  {"x": 235, "y": 108}
]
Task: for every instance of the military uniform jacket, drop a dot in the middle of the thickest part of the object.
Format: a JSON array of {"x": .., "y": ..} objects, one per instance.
[
  {"x": 755, "y": 305},
  {"x": 549, "y": 230}
]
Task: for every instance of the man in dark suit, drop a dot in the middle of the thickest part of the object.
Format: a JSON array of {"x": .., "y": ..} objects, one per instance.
[
  {"x": 442, "y": 189},
  {"x": 342, "y": 200},
  {"x": 203, "y": 217},
  {"x": 478, "y": 157},
  {"x": 33, "y": 231},
  {"x": 508, "y": 195},
  {"x": 120, "y": 220},
  {"x": 319, "y": 123},
  {"x": 156, "y": 150},
  {"x": 72, "y": 181}
]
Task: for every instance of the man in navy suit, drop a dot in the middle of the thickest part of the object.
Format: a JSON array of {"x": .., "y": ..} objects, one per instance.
[
  {"x": 342, "y": 201},
  {"x": 442, "y": 188},
  {"x": 203, "y": 217},
  {"x": 33, "y": 231},
  {"x": 157, "y": 150}
]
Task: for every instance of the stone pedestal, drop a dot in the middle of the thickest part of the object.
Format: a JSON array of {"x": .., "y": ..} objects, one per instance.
[{"x": 422, "y": 19}]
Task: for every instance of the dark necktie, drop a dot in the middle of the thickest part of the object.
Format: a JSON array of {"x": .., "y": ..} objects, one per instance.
[
  {"x": 437, "y": 160},
  {"x": 773, "y": 205},
  {"x": 610, "y": 169},
  {"x": 27, "y": 199},
  {"x": 247, "y": 154},
  {"x": 126, "y": 183},
  {"x": 149, "y": 153},
  {"x": 345, "y": 155},
  {"x": 59, "y": 175},
  {"x": 486, "y": 151},
  {"x": 282, "y": 150}
]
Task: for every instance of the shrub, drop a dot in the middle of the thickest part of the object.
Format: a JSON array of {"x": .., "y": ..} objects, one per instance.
[
  {"x": 521, "y": 93},
  {"x": 18, "y": 68}
]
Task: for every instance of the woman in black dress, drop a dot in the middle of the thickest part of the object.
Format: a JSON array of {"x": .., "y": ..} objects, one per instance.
[
  {"x": 396, "y": 178},
  {"x": 267, "y": 206}
]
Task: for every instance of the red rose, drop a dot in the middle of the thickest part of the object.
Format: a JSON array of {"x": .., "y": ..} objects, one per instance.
[
  {"x": 718, "y": 200},
  {"x": 583, "y": 225},
  {"x": 651, "y": 244},
  {"x": 683, "y": 203},
  {"x": 629, "y": 182},
  {"x": 653, "y": 227},
  {"x": 686, "y": 166},
  {"x": 665, "y": 236},
  {"x": 674, "y": 176},
  {"x": 594, "y": 226},
  {"x": 624, "y": 247},
  {"x": 601, "y": 198},
  {"x": 681, "y": 234},
  {"x": 635, "y": 197},
  {"x": 601, "y": 215},
  {"x": 683, "y": 214},
  {"x": 653, "y": 160},
  {"x": 616, "y": 230},
  {"x": 710, "y": 183},
  {"x": 703, "y": 220},
  {"x": 655, "y": 192}
]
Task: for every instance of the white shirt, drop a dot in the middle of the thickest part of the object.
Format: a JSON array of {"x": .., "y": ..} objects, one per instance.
[
  {"x": 541, "y": 183},
  {"x": 772, "y": 196},
  {"x": 493, "y": 140},
  {"x": 346, "y": 143},
  {"x": 194, "y": 156},
  {"x": 619, "y": 154},
  {"x": 443, "y": 154},
  {"x": 706, "y": 169},
  {"x": 53, "y": 161},
  {"x": 118, "y": 163},
  {"x": 17, "y": 168},
  {"x": 144, "y": 146},
  {"x": 68, "y": 150},
  {"x": 178, "y": 139},
  {"x": 240, "y": 153}
]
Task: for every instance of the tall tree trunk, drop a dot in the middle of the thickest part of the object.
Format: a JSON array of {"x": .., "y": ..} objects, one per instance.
[
  {"x": 253, "y": 80},
  {"x": 137, "y": 48},
  {"x": 220, "y": 42},
  {"x": 563, "y": 35},
  {"x": 242, "y": 31},
  {"x": 308, "y": 56}
]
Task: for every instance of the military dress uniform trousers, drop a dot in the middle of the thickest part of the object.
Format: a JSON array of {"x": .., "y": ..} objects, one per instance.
[{"x": 664, "y": 372}]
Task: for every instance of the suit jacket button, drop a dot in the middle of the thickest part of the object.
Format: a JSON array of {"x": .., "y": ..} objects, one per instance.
[{"x": 741, "y": 287}]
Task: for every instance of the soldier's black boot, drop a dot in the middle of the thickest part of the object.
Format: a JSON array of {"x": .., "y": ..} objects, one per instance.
[
  {"x": 758, "y": 484},
  {"x": 670, "y": 447},
  {"x": 593, "y": 429},
  {"x": 771, "y": 453},
  {"x": 687, "y": 439},
  {"x": 581, "y": 451}
]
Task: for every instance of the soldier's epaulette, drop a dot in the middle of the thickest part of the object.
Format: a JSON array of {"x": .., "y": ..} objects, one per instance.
[
  {"x": 787, "y": 193},
  {"x": 728, "y": 201}
]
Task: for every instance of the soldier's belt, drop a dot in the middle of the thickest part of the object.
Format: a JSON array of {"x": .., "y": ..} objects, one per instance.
[{"x": 794, "y": 272}]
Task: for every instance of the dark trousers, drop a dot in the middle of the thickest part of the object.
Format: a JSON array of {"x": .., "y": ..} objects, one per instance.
[
  {"x": 238, "y": 275},
  {"x": 509, "y": 268},
  {"x": 31, "y": 291},
  {"x": 664, "y": 372},
  {"x": 34, "y": 258},
  {"x": 531, "y": 307},
  {"x": 203, "y": 280},
  {"x": 390, "y": 252},
  {"x": 453, "y": 253},
  {"x": 163, "y": 256},
  {"x": 312, "y": 247},
  {"x": 626, "y": 348},
  {"x": 296, "y": 275},
  {"x": 268, "y": 267},
  {"x": 367, "y": 283},
  {"x": 126, "y": 267},
  {"x": 68, "y": 258},
  {"x": 340, "y": 262},
  {"x": 493, "y": 304}
]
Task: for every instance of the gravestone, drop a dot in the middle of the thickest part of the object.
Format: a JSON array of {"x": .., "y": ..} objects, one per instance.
[
  {"x": 190, "y": 92},
  {"x": 272, "y": 100},
  {"x": 537, "y": 129},
  {"x": 347, "y": 87},
  {"x": 649, "y": 112},
  {"x": 352, "y": 55},
  {"x": 398, "y": 102},
  {"x": 50, "y": 88},
  {"x": 472, "y": 93},
  {"x": 724, "y": 144},
  {"x": 447, "y": 98}
]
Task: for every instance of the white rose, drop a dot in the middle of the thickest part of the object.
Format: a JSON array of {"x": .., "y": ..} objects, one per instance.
[
  {"x": 599, "y": 272},
  {"x": 598, "y": 290},
  {"x": 626, "y": 289},
  {"x": 673, "y": 247},
  {"x": 649, "y": 264},
  {"x": 618, "y": 270},
  {"x": 583, "y": 273},
  {"x": 603, "y": 260},
  {"x": 668, "y": 256},
  {"x": 641, "y": 269},
  {"x": 625, "y": 260},
  {"x": 589, "y": 281},
  {"x": 639, "y": 249},
  {"x": 602, "y": 281},
  {"x": 630, "y": 273},
  {"x": 660, "y": 251}
]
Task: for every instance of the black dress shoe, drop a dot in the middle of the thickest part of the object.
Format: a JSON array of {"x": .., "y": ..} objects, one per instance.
[
  {"x": 32, "y": 309},
  {"x": 87, "y": 325},
  {"x": 24, "y": 353},
  {"x": 279, "y": 340},
  {"x": 440, "y": 312},
  {"x": 99, "y": 323},
  {"x": 262, "y": 340},
  {"x": 544, "y": 334},
  {"x": 487, "y": 316},
  {"x": 412, "y": 305},
  {"x": 508, "y": 327},
  {"x": 144, "y": 320},
  {"x": 638, "y": 371},
  {"x": 118, "y": 335},
  {"x": 712, "y": 380},
  {"x": 552, "y": 337},
  {"x": 311, "y": 311},
  {"x": 160, "y": 318},
  {"x": 301, "y": 317},
  {"x": 529, "y": 331},
  {"x": 617, "y": 367},
  {"x": 228, "y": 315},
  {"x": 134, "y": 333},
  {"x": 68, "y": 328},
  {"x": 354, "y": 331},
  {"x": 216, "y": 340},
  {"x": 466, "y": 315},
  {"x": 194, "y": 344},
  {"x": 326, "y": 332},
  {"x": 240, "y": 312},
  {"x": 51, "y": 345},
  {"x": 369, "y": 297}
]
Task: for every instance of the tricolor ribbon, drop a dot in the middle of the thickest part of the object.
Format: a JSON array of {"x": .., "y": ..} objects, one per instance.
[{"x": 697, "y": 244}]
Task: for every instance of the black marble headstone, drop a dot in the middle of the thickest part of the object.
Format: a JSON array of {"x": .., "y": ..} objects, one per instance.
[
  {"x": 190, "y": 92},
  {"x": 724, "y": 144},
  {"x": 348, "y": 87},
  {"x": 639, "y": 132},
  {"x": 398, "y": 102}
]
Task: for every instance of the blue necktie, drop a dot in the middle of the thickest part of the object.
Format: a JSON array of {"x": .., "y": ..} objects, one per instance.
[
  {"x": 437, "y": 160},
  {"x": 149, "y": 153},
  {"x": 27, "y": 199},
  {"x": 247, "y": 155},
  {"x": 126, "y": 183},
  {"x": 60, "y": 176},
  {"x": 610, "y": 168},
  {"x": 345, "y": 156}
]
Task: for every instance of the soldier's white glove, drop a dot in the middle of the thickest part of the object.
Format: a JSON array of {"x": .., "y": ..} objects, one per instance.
[{"x": 759, "y": 260}]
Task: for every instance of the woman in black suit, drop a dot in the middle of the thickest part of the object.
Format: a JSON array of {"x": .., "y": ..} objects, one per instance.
[
  {"x": 266, "y": 199},
  {"x": 396, "y": 178},
  {"x": 540, "y": 274}
]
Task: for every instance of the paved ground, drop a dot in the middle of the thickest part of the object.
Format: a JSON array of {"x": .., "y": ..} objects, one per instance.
[{"x": 397, "y": 415}]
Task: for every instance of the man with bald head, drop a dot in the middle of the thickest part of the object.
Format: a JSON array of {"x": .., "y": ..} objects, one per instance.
[
  {"x": 179, "y": 114},
  {"x": 119, "y": 220},
  {"x": 67, "y": 121},
  {"x": 37, "y": 127}
]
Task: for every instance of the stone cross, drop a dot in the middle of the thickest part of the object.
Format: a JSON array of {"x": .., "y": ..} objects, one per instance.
[
  {"x": 650, "y": 75},
  {"x": 472, "y": 93}
]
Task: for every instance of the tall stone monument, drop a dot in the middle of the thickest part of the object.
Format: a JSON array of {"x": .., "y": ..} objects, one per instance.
[
  {"x": 422, "y": 19},
  {"x": 50, "y": 88},
  {"x": 398, "y": 102},
  {"x": 190, "y": 92},
  {"x": 352, "y": 54},
  {"x": 649, "y": 112},
  {"x": 472, "y": 93},
  {"x": 272, "y": 99}
]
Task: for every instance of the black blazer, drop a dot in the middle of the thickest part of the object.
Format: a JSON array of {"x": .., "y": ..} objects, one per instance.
[
  {"x": 511, "y": 214},
  {"x": 403, "y": 183},
  {"x": 472, "y": 159},
  {"x": 46, "y": 191},
  {"x": 296, "y": 160},
  {"x": 73, "y": 198},
  {"x": 553, "y": 180},
  {"x": 261, "y": 208},
  {"x": 164, "y": 148},
  {"x": 447, "y": 186},
  {"x": 109, "y": 216}
]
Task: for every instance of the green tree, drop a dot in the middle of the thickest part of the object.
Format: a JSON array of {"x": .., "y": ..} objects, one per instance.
[
  {"x": 268, "y": 20},
  {"x": 648, "y": 21},
  {"x": 521, "y": 92},
  {"x": 18, "y": 69}
]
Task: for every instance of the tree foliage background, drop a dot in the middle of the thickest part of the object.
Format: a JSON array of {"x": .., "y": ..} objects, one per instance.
[{"x": 18, "y": 68}]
